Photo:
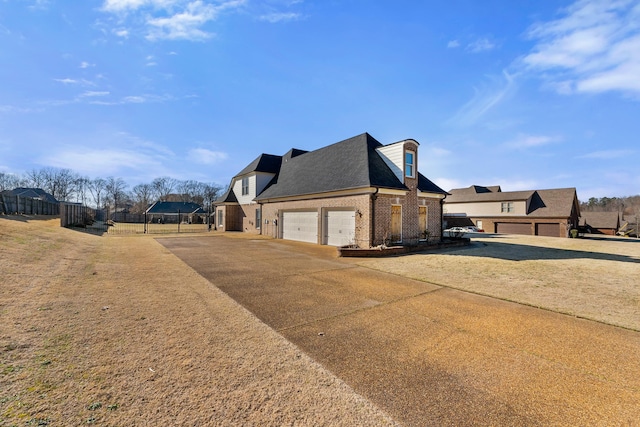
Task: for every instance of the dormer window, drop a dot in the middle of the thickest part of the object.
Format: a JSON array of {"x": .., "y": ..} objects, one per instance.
[
  {"x": 409, "y": 164},
  {"x": 245, "y": 186}
]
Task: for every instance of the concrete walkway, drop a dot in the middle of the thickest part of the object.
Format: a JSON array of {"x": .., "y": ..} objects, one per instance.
[{"x": 424, "y": 354}]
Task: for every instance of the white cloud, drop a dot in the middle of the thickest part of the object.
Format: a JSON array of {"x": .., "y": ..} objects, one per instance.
[
  {"x": 453, "y": 44},
  {"x": 480, "y": 45},
  {"x": 120, "y": 153},
  {"x": 106, "y": 161},
  {"x": 608, "y": 154},
  {"x": 69, "y": 81},
  {"x": 484, "y": 99},
  {"x": 121, "y": 32},
  {"x": 593, "y": 47},
  {"x": 134, "y": 99},
  {"x": 85, "y": 64},
  {"x": 127, "y": 5},
  {"x": 14, "y": 109},
  {"x": 528, "y": 141},
  {"x": 66, "y": 81},
  {"x": 39, "y": 4},
  {"x": 168, "y": 19},
  {"x": 92, "y": 93},
  {"x": 205, "y": 156},
  {"x": 280, "y": 17},
  {"x": 183, "y": 25}
]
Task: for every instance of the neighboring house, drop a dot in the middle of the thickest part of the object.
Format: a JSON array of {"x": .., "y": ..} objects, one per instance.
[
  {"x": 174, "y": 212},
  {"x": 534, "y": 212},
  {"x": 354, "y": 192},
  {"x": 600, "y": 222},
  {"x": 34, "y": 201},
  {"x": 31, "y": 193}
]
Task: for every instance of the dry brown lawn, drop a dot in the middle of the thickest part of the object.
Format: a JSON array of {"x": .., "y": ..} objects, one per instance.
[
  {"x": 598, "y": 279},
  {"x": 116, "y": 331}
]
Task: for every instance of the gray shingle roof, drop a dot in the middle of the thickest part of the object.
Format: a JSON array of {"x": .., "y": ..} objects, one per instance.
[
  {"x": 263, "y": 163},
  {"x": 349, "y": 164},
  {"x": 32, "y": 193},
  {"x": 426, "y": 185},
  {"x": 174, "y": 208}
]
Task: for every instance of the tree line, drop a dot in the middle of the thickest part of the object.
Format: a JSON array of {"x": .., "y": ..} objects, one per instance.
[
  {"x": 68, "y": 186},
  {"x": 626, "y": 205}
]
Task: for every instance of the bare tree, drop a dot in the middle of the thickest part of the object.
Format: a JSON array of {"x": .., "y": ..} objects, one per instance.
[
  {"x": 97, "y": 188},
  {"x": 61, "y": 183},
  {"x": 8, "y": 181},
  {"x": 191, "y": 191},
  {"x": 81, "y": 189},
  {"x": 142, "y": 197},
  {"x": 209, "y": 193},
  {"x": 36, "y": 179},
  {"x": 164, "y": 186},
  {"x": 115, "y": 189}
]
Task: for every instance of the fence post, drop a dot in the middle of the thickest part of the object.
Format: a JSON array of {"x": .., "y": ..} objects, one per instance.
[{"x": 179, "y": 220}]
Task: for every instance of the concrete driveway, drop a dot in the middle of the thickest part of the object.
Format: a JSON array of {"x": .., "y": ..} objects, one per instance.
[{"x": 427, "y": 355}]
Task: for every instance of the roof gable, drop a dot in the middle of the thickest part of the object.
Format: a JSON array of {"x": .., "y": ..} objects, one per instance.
[
  {"x": 268, "y": 163},
  {"x": 558, "y": 202}
]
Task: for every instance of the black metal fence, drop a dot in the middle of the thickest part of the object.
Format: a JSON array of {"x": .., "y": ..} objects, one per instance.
[
  {"x": 102, "y": 222},
  {"x": 10, "y": 205}
]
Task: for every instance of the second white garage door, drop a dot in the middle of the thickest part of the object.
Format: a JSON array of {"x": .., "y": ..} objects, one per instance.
[
  {"x": 300, "y": 226},
  {"x": 340, "y": 228}
]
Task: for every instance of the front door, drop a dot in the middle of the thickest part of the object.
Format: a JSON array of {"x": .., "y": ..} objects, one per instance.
[{"x": 396, "y": 224}]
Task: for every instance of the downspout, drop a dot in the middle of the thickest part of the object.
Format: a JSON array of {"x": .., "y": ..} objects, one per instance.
[
  {"x": 442, "y": 217},
  {"x": 374, "y": 197},
  {"x": 261, "y": 220}
]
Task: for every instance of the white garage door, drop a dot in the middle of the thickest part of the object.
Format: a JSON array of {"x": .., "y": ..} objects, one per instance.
[
  {"x": 301, "y": 226},
  {"x": 340, "y": 228}
]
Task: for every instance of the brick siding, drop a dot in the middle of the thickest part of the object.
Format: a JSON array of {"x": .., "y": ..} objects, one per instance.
[{"x": 359, "y": 203}]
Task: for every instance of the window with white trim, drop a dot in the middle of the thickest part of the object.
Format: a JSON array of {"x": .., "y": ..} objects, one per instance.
[
  {"x": 409, "y": 164},
  {"x": 258, "y": 217},
  {"x": 245, "y": 186},
  {"x": 507, "y": 207}
]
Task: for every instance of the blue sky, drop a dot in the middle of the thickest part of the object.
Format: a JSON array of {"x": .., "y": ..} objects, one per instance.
[{"x": 523, "y": 94}]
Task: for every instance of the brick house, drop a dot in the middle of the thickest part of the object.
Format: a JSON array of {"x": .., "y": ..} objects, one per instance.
[
  {"x": 600, "y": 222},
  {"x": 354, "y": 192},
  {"x": 176, "y": 212},
  {"x": 532, "y": 212}
]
